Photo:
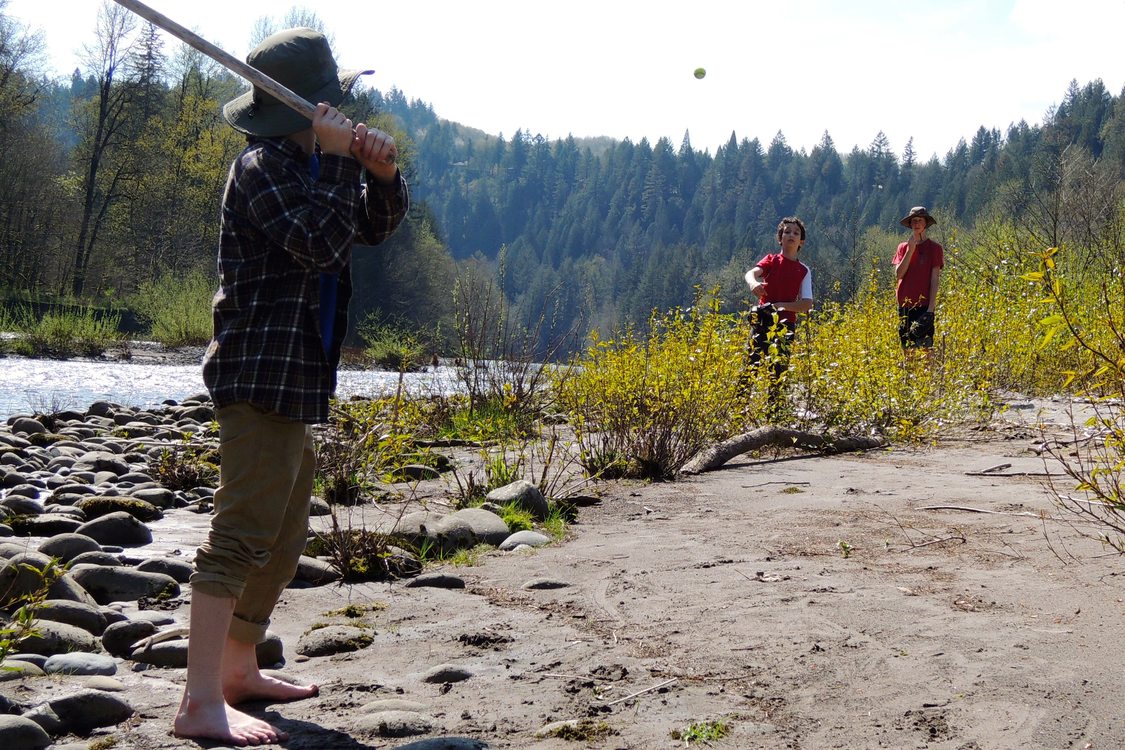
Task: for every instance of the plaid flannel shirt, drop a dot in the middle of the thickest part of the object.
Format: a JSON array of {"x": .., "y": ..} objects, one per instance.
[{"x": 280, "y": 230}]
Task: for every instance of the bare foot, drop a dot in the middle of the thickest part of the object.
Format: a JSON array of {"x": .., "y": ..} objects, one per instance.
[
  {"x": 256, "y": 686},
  {"x": 219, "y": 721}
]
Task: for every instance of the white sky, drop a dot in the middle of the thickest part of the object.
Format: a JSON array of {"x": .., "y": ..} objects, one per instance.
[{"x": 623, "y": 68}]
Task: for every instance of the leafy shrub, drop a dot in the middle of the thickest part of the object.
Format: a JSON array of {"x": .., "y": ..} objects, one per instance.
[
  {"x": 1088, "y": 318},
  {"x": 359, "y": 554},
  {"x": 185, "y": 468},
  {"x": 177, "y": 308},
  {"x": 854, "y": 379},
  {"x": 364, "y": 440},
  {"x": 500, "y": 470},
  {"x": 82, "y": 331},
  {"x": 499, "y": 355},
  {"x": 517, "y": 518},
  {"x": 485, "y": 421},
  {"x": 27, "y": 603},
  {"x": 392, "y": 347},
  {"x": 653, "y": 401},
  {"x": 703, "y": 732}
]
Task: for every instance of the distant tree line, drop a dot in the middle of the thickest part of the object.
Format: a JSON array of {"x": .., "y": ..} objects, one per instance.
[
  {"x": 112, "y": 179},
  {"x": 614, "y": 229}
]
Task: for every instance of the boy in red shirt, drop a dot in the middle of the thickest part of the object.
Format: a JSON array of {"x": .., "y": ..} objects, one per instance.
[
  {"x": 918, "y": 263},
  {"x": 783, "y": 286}
]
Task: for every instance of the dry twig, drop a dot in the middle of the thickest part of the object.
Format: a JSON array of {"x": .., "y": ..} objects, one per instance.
[{"x": 642, "y": 692}]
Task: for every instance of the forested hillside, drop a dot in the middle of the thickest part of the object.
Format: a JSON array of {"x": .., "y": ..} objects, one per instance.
[
  {"x": 112, "y": 179},
  {"x": 618, "y": 228}
]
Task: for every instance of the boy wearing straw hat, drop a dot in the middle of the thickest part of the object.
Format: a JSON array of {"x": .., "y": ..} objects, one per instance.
[
  {"x": 296, "y": 200},
  {"x": 918, "y": 263}
]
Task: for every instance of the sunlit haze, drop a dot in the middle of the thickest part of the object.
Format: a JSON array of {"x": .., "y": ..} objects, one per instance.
[{"x": 934, "y": 72}]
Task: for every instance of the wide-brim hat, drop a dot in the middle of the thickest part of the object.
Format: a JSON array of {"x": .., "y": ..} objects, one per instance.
[
  {"x": 918, "y": 211},
  {"x": 301, "y": 60}
]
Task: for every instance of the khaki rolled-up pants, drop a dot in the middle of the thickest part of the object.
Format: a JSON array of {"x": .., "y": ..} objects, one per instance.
[{"x": 261, "y": 517}]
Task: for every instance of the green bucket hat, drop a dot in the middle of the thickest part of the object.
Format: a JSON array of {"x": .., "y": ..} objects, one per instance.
[
  {"x": 918, "y": 211},
  {"x": 300, "y": 60}
]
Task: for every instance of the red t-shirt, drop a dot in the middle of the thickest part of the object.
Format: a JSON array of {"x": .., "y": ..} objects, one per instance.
[
  {"x": 913, "y": 289},
  {"x": 783, "y": 279}
]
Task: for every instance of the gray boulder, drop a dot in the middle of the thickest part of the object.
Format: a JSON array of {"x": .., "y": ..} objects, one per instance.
[
  {"x": 89, "y": 709},
  {"x": 67, "y": 546},
  {"x": 47, "y": 525},
  {"x": 315, "y": 572},
  {"x": 334, "y": 639},
  {"x": 271, "y": 651},
  {"x": 446, "y": 673},
  {"x": 22, "y": 505},
  {"x": 26, "y": 490},
  {"x": 23, "y": 574},
  {"x": 118, "y": 528},
  {"x": 436, "y": 581},
  {"x": 525, "y": 495},
  {"x": 49, "y": 638},
  {"x": 79, "y": 614},
  {"x": 486, "y": 526},
  {"x": 102, "y": 460},
  {"x": 525, "y": 537},
  {"x": 100, "y": 557},
  {"x": 8, "y": 550},
  {"x": 18, "y": 666},
  {"x": 169, "y": 654},
  {"x": 446, "y": 538},
  {"x": 79, "y": 663},
  {"x": 27, "y": 426},
  {"x": 173, "y": 567},
  {"x": 19, "y": 733},
  {"x": 161, "y": 497},
  {"x": 411, "y": 525},
  {"x": 394, "y": 724},
  {"x": 118, "y": 638},
  {"x": 121, "y": 584}
]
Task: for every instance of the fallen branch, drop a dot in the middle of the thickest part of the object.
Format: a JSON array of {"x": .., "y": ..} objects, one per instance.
[
  {"x": 987, "y": 473},
  {"x": 959, "y": 538},
  {"x": 641, "y": 692},
  {"x": 779, "y": 437},
  {"x": 763, "y": 484},
  {"x": 967, "y": 509},
  {"x": 997, "y": 467}
]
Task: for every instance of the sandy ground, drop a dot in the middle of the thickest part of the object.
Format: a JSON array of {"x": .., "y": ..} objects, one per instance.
[{"x": 804, "y": 601}]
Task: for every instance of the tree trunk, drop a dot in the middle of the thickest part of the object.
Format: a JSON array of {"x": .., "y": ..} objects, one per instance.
[{"x": 778, "y": 437}]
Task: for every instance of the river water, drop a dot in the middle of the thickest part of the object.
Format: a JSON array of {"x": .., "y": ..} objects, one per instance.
[{"x": 45, "y": 386}]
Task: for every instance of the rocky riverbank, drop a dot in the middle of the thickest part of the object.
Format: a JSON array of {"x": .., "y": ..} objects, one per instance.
[
  {"x": 153, "y": 353},
  {"x": 80, "y": 491}
]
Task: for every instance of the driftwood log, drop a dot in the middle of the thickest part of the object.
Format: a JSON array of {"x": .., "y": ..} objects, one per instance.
[{"x": 778, "y": 437}]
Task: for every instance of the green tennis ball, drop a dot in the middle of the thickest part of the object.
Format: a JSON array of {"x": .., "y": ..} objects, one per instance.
[{"x": 700, "y": 72}]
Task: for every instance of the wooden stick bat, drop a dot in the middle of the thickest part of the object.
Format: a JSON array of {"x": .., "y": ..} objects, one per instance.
[{"x": 228, "y": 61}]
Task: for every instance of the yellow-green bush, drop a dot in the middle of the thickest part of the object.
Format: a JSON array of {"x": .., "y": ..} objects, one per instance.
[
  {"x": 649, "y": 402},
  {"x": 645, "y": 403},
  {"x": 178, "y": 307},
  {"x": 851, "y": 374},
  {"x": 80, "y": 331},
  {"x": 990, "y": 311},
  {"x": 1087, "y": 319}
]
